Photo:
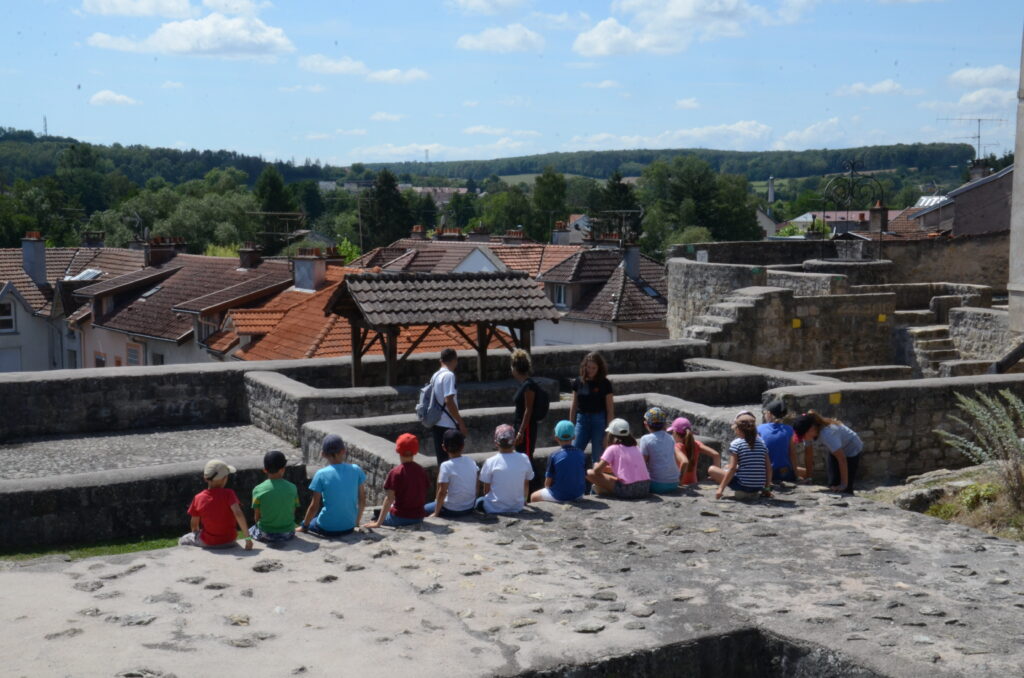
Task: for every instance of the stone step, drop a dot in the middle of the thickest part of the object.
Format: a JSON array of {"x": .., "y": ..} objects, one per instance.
[
  {"x": 963, "y": 368},
  {"x": 701, "y": 332},
  {"x": 713, "y": 320},
  {"x": 914, "y": 317},
  {"x": 728, "y": 309},
  {"x": 939, "y": 355},
  {"x": 929, "y": 332},
  {"x": 935, "y": 344}
]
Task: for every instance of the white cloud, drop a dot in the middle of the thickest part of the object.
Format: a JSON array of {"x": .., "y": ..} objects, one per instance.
[
  {"x": 396, "y": 76},
  {"x": 235, "y": 6},
  {"x": 580, "y": 65},
  {"x": 511, "y": 38},
  {"x": 988, "y": 99},
  {"x": 669, "y": 26},
  {"x": 984, "y": 77},
  {"x": 741, "y": 135},
  {"x": 351, "y": 132},
  {"x": 470, "y": 103},
  {"x": 515, "y": 101},
  {"x": 318, "y": 63},
  {"x": 820, "y": 134},
  {"x": 887, "y": 86},
  {"x": 414, "y": 151},
  {"x": 317, "y": 136},
  {"x": 313, "y": 89},
  {"x": 563, "y": 21},
  {"x": 485, "y": 6},
  {"x": 106, "y": 97},
  {"x": 687, "y": 104},
  {"x": 171, "y": 84},
  {"x": 213, "y": 35},
  {"x": 387, "y": 117},
  {"x": 500, "y": 131},
  {"x": 604, "y": 84},
  {"x": 172, "y": 9}
]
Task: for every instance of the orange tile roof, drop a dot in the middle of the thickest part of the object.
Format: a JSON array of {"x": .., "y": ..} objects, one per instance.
[
  {"x": 222, "y": 341},
  {"x": 533, "y": 258}
]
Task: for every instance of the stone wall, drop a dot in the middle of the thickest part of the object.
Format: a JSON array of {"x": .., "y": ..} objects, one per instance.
[
  {"x": 862, "y": 272},
  {"x": 807, "y": 284},
  {"x": 982, "y": 333},
  {"x": 910, "y": 296},
  {"x": 758, "y": 252},
  {"x": 897, "y": 419},
  {"x": 118, "y": 504},
  {"x": 694, "y": 286},
  {"x": 786, "y": 332}
]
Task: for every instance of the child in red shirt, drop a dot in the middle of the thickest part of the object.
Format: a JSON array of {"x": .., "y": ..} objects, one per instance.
[
  {"x": 406, "y": 485},
  {"x": 215, "y": 512}
]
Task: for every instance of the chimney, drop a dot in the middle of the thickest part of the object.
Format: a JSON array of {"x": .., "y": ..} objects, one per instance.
[
  {"x": 631, "y": 260},
  {"x": 309, "y": 270},
  {"x": 33, "y": 257},
  {"x": 92, "y": 238},
  {"x": 161, "y": 250},
  {"x": 417, "y": 233},
  {"x": 448, "y": 233},
  {"x": 180, "y": 246},
  {"x": 561, "y": 234},
  {"x": 249, "y": 255},
  {"x": 513, "y": 236},
  {"x": 478, "y": 235},
  {"x": 879, "y": 218}
]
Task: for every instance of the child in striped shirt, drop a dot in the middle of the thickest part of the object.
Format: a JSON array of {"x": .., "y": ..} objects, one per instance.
[{"x": 750, "y": 467}]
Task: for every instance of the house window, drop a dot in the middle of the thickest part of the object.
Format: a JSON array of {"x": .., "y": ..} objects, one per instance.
[
  {"x": 7, "y": 316},
  {"x": 559, "y": 295},
  {"x": 157, "y": 359},
  {"x": 133, "y": 354},
  {"x": 72, "y": 359},
  {"x": 208, "y": 326},
  {"x": 99, "y": 359}
]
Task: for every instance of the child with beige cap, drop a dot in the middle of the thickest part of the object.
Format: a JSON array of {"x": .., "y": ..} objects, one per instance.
[{"x": 215, "y": 512}]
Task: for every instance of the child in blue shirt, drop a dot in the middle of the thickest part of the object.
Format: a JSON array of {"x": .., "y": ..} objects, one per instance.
[
  {"x": 565, "y": 478},
  {"x": 339, "y": 493}
]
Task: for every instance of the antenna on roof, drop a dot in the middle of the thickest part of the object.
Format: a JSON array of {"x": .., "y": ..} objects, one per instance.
[{"x": 977, "y": 136}]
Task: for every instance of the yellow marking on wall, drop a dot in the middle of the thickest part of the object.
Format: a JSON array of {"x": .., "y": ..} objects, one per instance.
[
  {"x": 797, "y": 323},
  {"x": 882, "y": 317},
  {"x": 835, "y": 398}
]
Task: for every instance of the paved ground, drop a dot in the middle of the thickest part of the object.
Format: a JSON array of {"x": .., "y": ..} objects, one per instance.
[
  {"x": 80, "y": 453},
  {"x": 899, "y": 594}
]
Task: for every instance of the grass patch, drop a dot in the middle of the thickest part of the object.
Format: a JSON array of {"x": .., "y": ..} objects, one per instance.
[
  {"x": 947, "y": 510},
  {"x": 77, "y": 552}
]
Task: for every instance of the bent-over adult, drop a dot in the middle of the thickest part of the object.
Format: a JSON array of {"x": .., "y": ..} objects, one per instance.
[{"x": 843, "y": 444}]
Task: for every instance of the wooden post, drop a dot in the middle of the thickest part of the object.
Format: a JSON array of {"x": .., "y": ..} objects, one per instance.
[
  {"x": 390, "y": 339},
  {"x": 357, "y": 353},
  {"x": 481, "y": 351},
  {"x": 524, "y": 333}
]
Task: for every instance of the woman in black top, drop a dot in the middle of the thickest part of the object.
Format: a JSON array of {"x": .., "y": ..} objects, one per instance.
[
  {"x": 525, "y": 399},
  {"x": 592, "y": 404}
]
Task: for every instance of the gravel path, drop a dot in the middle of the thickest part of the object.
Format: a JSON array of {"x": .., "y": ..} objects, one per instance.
[{"x": 57, "y": 455}]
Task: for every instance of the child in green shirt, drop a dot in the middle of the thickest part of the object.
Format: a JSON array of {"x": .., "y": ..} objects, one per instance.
[{"x": 274, "y": 502}]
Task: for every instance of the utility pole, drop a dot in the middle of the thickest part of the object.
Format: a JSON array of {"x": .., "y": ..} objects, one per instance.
[{"x": 976, "y": 136}]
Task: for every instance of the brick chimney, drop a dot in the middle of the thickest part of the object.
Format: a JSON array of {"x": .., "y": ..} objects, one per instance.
[
  {"x": 161, "y": 250},
  {"x": 631, "y": 260},
  {"x": 478, "y": 236},
  {"x": 513, "y": 236},
  {"x": 33, "y": 257},
  {"x": 418, "y": 233},
  {"x": 309, "y": 269},
  {"x": 93, "y": 238},
  {"x": 448, "y": 233},
  {"x": 879, "y": 218},
  {"x": 249, "y": 255},
  {"x": 561, "y": 235}
]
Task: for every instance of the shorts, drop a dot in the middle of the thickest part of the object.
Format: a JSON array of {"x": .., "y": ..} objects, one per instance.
[
  {"x": 640, "y": 488},
  {"x": 269, "y": 537},
  {"x": 736, "y": 486},
  {"x": 192, "y": 539},
  {"x": 314, "y": 528},
  {"x": 783, "y": 473},
  {"x": 664, "y": 488},
  {"x": 545, "y": 495}
]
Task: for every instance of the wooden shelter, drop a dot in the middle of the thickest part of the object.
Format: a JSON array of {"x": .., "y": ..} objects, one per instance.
[{"x": 376, "y": 305}]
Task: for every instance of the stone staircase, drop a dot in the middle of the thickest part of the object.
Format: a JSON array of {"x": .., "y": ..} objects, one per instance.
[
  {"x": 932, "y": 346},
  {"x": 714, "y": 323}
]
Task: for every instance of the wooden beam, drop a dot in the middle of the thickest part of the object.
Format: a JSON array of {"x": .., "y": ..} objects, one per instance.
[
  {"x": 464, "y": 335},
  {"x": 481, "y": 350},
  {"x": 525, "y": 330},
  {"x": 500, "y": 337},
  {"x": 357, "y": 354},
  {"x": 390, "y": 346},
  {"x": 414, "y": 344}
]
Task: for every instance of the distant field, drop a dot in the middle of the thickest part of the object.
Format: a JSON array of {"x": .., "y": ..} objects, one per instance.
[{"x": 514, "y": 179}]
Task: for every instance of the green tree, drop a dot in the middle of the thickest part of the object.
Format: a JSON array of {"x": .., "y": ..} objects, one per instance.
[
  {"x": 386, "y": 215},
  {"x": 582, "y": 194},
  {"x": 502, "y": 211},
  {"x": 549, "y": 189},
  {"x": 733, "y": 210},
  {"x": 461, "y": 209},
  {"x": 618, "y": 195},
  {"x": 271, "y": 193}
]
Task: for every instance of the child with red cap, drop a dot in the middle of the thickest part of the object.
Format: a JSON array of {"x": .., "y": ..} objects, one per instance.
[{"x": 406, "y": 486}]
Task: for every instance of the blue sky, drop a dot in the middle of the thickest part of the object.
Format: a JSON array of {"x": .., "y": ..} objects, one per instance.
[{"x": 463, "y": 79}]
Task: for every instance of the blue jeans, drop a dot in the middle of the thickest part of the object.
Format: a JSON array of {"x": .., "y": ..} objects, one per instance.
[
  {"x": 314, "y": 527},
  {"x": 590, "y": 430},
  {"x": 446, "y": 512},
  {"x": 391, "y": 520}
]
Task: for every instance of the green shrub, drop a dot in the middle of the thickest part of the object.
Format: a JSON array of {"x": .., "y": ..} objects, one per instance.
[
  {"x": 973, "y": 496},
  {"x": 946, "y": 511},
  {"x": 993, "y": 434}
]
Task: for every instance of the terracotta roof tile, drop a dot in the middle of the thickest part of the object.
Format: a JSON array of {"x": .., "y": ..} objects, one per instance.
[{"x": 222, "y": 341}]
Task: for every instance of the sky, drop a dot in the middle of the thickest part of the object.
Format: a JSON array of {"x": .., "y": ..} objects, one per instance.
[{"x": 340, "y": 81}]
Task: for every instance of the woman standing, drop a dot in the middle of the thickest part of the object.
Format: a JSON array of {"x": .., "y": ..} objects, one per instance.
[
  {"x": 843, "y": 444},
  {"x": 592, "y": 405},
  {"x": 525, "y": 401}
]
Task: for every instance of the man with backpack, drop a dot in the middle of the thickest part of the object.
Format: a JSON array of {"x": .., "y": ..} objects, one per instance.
[{"x": 439, "y": 406}]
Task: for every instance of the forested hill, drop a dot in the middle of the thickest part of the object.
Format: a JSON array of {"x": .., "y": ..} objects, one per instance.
[
  {"x": 756, "y": 165},
  {"x": 24, "y": 155}
]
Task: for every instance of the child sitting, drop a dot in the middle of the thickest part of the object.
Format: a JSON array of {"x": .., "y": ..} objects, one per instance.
[
  {"x": 659, "y": 452},
  {"x": 750, "y": 468},
  {"x": 621, "y": 471},
  {"x": 689, "y": 449},
  {"x": 565, "y": 478},
  {"x": 406, "y": 487},
  {"x": 456, "y": 480},
  {"x": 274, "y": 502},
  {"x": 505, "y": 477},
  {"x": 338, "y": 493},
  {"x": 215, "y": 512}
]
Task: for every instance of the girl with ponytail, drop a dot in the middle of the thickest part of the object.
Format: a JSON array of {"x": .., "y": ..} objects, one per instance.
[{"x": 750, "y": 469}]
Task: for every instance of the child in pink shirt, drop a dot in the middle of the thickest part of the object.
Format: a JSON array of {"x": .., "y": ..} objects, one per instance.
[{"x": 621, "y": 471}]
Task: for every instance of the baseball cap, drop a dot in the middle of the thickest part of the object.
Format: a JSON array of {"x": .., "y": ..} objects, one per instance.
[
  {"x": 216, "y": 469},
  {"x": 407, "y": 444},
  {"x": 680, "y": 425},
  {"x": 618, "y": 427},
  {"x": 332, "y": 444},
  {"x": 655, "y": 415},
  {"x": 776, "y": 408},
  {"x": 504, "y": 434},
  {"x": 564, "y": 430}
]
